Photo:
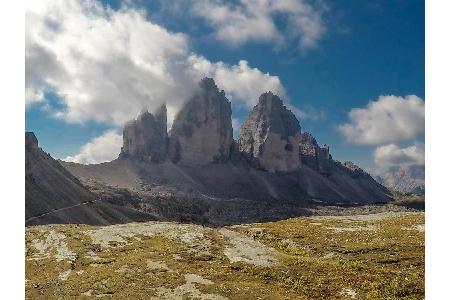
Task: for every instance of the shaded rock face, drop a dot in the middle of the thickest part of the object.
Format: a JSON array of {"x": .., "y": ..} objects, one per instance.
[
  {"x": 53, "y": 195},
  {"x": 146, "y": 137},
  {"x": 316, "y": 157},
  {"x": 48, "y": 185},
  {"x": 31, "y": 141},
  {"x": 202, "y": 132},
  {"x": 271, "y": 135}
]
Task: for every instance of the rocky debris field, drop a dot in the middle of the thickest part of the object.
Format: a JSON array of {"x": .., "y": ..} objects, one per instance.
[{"x": 372, "y": 256}]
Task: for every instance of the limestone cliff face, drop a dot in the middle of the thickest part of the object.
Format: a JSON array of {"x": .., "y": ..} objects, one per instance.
[
  {"x": 308, "y": 150},
  {"x": 202, "y": 132},
  {"x": 316, "y": 157},
  {"x": 146, "y": 137},
  {"x": 271, "y": 135}
]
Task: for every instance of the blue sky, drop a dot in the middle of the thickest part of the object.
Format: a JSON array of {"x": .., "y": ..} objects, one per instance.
[{"x": 363, "y": 50}]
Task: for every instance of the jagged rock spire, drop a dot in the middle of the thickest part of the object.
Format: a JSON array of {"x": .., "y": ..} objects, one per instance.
[
  {"x": 271, "y": 134},
  {"x": 146, "y": 137},
  {"x": 202, "y": 132},
  {"x": 30, "y": 140},
  {"x": 316, "y": 157}
]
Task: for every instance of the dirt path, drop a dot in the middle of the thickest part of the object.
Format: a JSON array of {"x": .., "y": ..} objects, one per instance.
[{"x": 58, "y": 210}]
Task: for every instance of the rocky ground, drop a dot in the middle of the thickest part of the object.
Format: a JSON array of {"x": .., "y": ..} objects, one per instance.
[{"x": 356, "y": 256}]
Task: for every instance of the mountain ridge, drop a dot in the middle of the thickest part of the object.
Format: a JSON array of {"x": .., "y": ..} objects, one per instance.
[
  {"x": 198, "y": 173},
  {"x": 404, "y": 179}
]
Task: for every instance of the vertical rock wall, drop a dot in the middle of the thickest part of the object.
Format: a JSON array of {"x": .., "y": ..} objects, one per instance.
[
  {"x": 146, "y": 137},
  {"x": 202, "y": 132},
  {"x": 271, "y": 134}
]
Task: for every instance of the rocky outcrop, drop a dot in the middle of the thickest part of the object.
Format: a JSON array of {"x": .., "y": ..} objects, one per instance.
[
  {"x": 31, "y": 142},
  {"x": 202, "y": 132},
  {"x": 271, "y": 135},
  {"x": 352, "y": 169},
  {"x": 146, "y": 137},
  {"x": 316, "y": 157}
]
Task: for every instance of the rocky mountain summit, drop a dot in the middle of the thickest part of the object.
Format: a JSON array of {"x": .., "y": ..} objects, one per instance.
[
  {"x": 146, "y": 137},
  {"x": 198, "y": 173},
  {"x": 271, "y": 134},
  {"x": 202, "y": 132},
  {"x": 264, "y": 164},
  {"x": 31, "y": 143}
]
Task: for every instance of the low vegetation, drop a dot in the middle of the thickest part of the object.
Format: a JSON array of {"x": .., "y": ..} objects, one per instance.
[{"x": 378, "y": 256}]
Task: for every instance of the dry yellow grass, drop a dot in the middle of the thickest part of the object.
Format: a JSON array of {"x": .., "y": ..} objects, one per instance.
[{"x": 371, "y": 257}]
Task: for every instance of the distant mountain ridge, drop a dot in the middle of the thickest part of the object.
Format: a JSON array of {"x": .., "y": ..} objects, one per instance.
[{"x": 405, "y": 179}]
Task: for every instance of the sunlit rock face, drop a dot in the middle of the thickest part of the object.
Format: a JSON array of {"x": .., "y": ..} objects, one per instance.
[
  {"x": 271, "y": 135},
  {"x": 146, "y": 137},
  {"x": 202, "y": 132}
]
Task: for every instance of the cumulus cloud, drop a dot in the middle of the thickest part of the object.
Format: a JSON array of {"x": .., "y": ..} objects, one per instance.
[
  {"x": 242, "y": 83},
  {"x": 101, "y": 149},
  {"x": 236, "y": 23},
  {"x": 107, "y": 65},
  {"x": 389, "y": 119},
  {"x": 393, "y": 155},
  {"x": 308, "y": 113}
]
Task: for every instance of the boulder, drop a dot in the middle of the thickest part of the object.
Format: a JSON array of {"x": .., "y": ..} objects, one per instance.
[
  {"x": 146, "y": 137},
  {"x": 271, "y": 135},
  {"x": 202, "y": 132}
]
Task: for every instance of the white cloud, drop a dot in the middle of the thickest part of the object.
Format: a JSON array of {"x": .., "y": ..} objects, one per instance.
[
  {"x": 107, "y": 65},
  {"x": 102, "y": 148},
  {"x": 245, "y": 84},
  {"x": 308, "y": 113},
  {"x": 389, "y": 119},
  {"x": 255, "y": 20},
  {"x": 392, "y": 155},
  {"x": 242, "y": 83}
]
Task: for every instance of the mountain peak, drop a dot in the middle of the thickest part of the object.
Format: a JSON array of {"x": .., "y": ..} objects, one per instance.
[
  {"x": 202, "y": 132},
  {"x": 271, "y": 134},
  {"x": 208, "y": 83},
  {"x": 269, "y": 99},
  {"x": 30, "y": 140},
  {"x": 146, "y": 137}
]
